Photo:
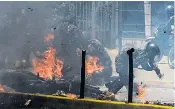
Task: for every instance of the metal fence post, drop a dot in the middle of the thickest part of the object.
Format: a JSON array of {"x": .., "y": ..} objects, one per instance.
[
  {"x": 82, "y": 85},
  {"x": 130, "y": 86}
]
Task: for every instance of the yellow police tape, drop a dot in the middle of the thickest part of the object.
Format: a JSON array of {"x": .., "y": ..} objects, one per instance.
[{"x": 83, "y": 103}]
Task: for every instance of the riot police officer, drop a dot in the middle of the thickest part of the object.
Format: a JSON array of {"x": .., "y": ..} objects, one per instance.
[
  {"x": 170, "y": 11},
  {"x": 145, "y": 57},
  {"x": 70, "y": 41},
  {"x": 170, "y": 14}
]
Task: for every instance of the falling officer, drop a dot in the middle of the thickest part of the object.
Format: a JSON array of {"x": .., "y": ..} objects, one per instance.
[{"x": 145, "y": 57}]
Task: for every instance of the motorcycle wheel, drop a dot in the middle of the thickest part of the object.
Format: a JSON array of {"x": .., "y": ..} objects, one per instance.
[{"x": 171, "y": 58}]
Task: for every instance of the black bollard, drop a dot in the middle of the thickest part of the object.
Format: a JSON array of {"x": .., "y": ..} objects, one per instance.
[
  {"x": 130, "y": 86},
  {"x": 82, "y": 86}
]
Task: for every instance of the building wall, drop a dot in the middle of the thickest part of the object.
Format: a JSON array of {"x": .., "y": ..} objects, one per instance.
[
  {"x": 132, "y": 19},
  {"x": 109, "y": 22}
]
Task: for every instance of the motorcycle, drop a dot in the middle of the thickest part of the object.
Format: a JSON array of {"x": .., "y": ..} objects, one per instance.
[{"x": 171, "y": 58}]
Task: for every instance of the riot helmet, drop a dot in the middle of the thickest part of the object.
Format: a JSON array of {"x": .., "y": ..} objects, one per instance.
[
  {"x": 153, "y": 51},
  {"x": 170, "y": 10}
]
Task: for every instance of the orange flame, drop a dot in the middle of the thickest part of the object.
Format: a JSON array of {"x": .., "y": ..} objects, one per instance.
[
  {"x": 92, "y": 65},
  {"x": 141, "y": 93},
  {"x": 49, "y": 66},
  {"x": 71, "y": 95},
  {"x": 1, "y": 88},
  {"x": 49, "y": 38}
]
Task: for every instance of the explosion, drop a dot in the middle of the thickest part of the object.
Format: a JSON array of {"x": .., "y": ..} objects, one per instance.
[
  {"x": 92, "y": 65},
  {"x": 141, "y": 93},
  {"x": 49, "y": 66}
]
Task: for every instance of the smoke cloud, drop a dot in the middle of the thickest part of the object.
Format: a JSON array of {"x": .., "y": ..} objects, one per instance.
[{"x": 23, "y": 25}]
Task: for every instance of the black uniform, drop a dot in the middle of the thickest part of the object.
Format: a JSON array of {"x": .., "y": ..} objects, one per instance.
[
  {"x": 95, "y": 48},
  {"x": 144, "y": 57},
  {"x": 72, "y": 42}
]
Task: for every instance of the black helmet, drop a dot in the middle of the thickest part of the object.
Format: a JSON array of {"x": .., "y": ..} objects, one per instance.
[{"x": 152, "y": 49}]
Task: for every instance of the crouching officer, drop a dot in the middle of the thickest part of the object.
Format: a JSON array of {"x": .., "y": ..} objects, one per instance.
[{"x": 145, "y": 57}]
